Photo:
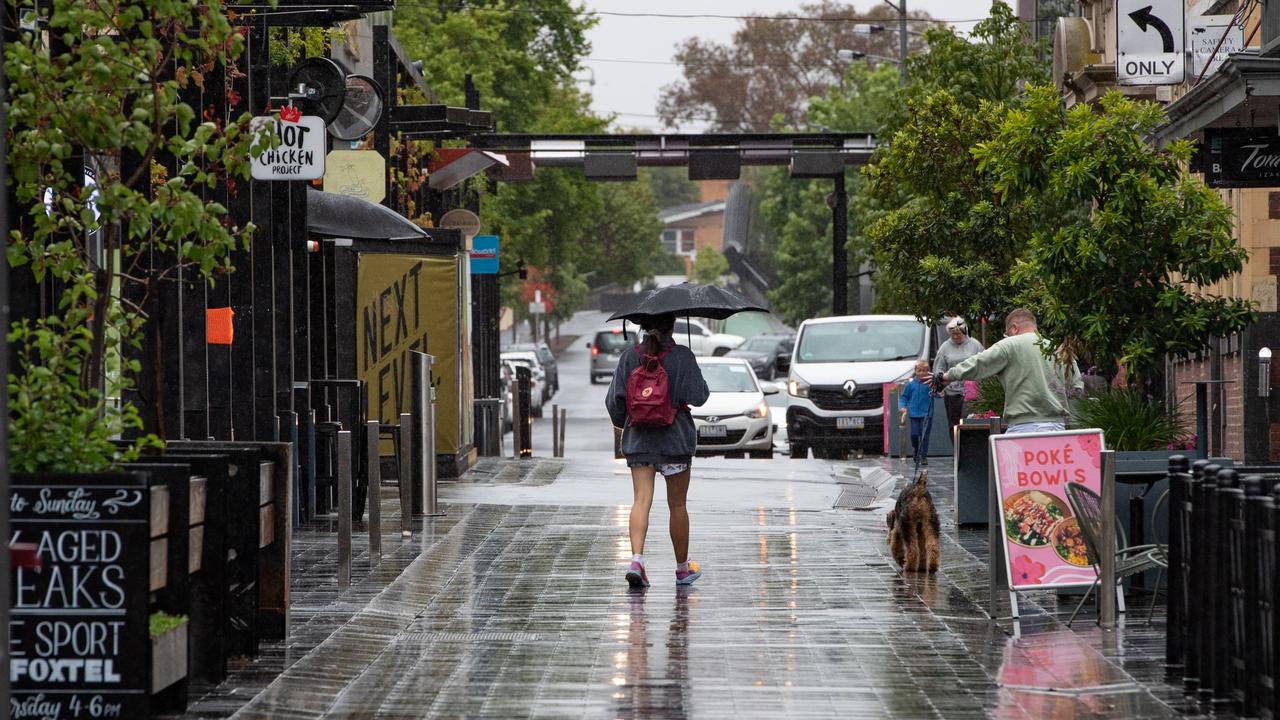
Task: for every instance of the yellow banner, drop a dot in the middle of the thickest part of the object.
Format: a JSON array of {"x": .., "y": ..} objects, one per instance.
[{"x": 410, "y": 303}]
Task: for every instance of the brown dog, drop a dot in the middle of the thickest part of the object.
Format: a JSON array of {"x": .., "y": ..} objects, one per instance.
[{"x": 914, "y": 529}]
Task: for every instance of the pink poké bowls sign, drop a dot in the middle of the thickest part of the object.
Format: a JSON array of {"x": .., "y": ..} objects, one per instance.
[{"x": 1043, "y": 545}]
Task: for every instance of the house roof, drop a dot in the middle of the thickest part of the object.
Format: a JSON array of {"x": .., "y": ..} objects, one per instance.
[{"x": 676, "y": 213}]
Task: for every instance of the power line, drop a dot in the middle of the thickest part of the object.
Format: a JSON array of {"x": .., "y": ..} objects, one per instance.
[{"x": 701, "y": 16}]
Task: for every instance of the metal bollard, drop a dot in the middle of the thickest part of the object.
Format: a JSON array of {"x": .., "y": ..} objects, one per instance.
[
  {"x": 1259, "y": 542},
  {"x": 1227, "y": 586},
  {"x": 525, "y": 447},
  {"x": 1206, "y": 541},
  {"x": 424, "y": 435},
  {"x": 406, "y": 474},
  {"x": 1179, "y": 528},
  {"x": 1107, "y": 562},
  {"x": 555, "y": 430},
  {"x": 344, "y": 508},
  {"x": 516, "y": 425},
  {"x": 564, "y": 420},
  {"x": 373, "y": 461},
  {"x": 489, "y": 412}
]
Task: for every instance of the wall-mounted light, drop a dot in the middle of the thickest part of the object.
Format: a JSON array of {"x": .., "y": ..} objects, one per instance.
[{"x": 1264, "y": 372}]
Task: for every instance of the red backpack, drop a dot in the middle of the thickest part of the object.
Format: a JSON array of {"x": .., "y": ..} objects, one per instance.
[{"x": 649, "y": 393}]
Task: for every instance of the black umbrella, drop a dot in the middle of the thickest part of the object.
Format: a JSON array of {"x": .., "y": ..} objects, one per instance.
[
  {"x": 352, "y": 217},
  {"x": 689, "y": 299}
]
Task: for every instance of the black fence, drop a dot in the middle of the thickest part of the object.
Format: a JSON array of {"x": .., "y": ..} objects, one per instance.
[{"x": 1222, "y": 566}]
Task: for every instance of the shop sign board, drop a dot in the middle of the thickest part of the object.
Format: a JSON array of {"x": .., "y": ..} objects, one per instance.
[
  {"x": 1239, "y": 157},
  {"x": 79, "y": 638},
  {"x": 1150, "y": 42},
  {"x": 484, "y": 255},
  {"x": 300, "y": 152},
  {"x": 1043, "y": 544}
]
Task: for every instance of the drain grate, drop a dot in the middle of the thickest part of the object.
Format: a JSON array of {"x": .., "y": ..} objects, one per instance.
[
  {"x": 856, "y": 497},
  {"x": 425, "y": 637}
]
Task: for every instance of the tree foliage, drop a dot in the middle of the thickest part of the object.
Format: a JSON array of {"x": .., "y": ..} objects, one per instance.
[
  {"x": 944, "y": 241},
  {"x": 771, "y": 68},
  {"x": 1121, "y": 281},
  {"x": 100, "y": 85},
  {"x": 709, "y": 266},
  {"x": 670, "y": 186}
]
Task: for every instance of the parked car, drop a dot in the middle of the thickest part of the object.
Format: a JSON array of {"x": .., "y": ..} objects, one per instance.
[
  {"x": 531, "y": 357},
  {"x": 835, "y": 385},
  {"x": 548, "y": 360},
  {"x": 537, "y": 379},
  {"x": 606, "y": 348},
  {"x": 735, "y": 418},
  {"x": 694, "y": 333},
  {"x": 768, "y": 355}
]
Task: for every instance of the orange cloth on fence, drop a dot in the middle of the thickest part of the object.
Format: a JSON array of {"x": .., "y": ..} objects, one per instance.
[{"x": 219, "y": 328}]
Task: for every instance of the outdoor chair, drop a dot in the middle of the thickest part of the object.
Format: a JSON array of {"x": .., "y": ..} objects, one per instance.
[{"x": 1087, "y": 506}]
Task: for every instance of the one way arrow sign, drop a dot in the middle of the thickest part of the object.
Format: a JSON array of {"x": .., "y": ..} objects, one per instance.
[{"x": 1150, "y": 37}]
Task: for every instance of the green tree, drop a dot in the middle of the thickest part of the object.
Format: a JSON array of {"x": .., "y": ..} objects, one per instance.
[
  {"x": 670, "y": 186},
  {"x": 1121, "y": 281},
  {"x": 943, "y": 240},
  {"x": 619, "y": 242},
  {"x": 709, "y": 266},
  {"x": 107, "y": 94}
]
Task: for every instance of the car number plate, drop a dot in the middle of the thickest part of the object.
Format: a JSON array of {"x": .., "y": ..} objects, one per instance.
[
  {"x": 850, "y": 423},
  {"x": 713, "y": 431}
]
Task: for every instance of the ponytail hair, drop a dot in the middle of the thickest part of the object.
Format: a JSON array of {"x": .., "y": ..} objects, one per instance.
[{"x": 654, "y": 327}]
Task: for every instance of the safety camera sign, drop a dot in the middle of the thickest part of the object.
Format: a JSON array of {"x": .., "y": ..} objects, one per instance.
[
  {"x": 1150, "y": 42},
  {"x": 300, "y": 151}
]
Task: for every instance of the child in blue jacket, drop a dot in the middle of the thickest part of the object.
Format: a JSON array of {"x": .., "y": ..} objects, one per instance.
[{"x": 916, "y": 403}]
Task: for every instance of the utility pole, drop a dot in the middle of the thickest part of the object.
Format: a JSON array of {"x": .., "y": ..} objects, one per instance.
[
  {"x": 839, "y": 255},
  {"x": 902, "y": 42}
]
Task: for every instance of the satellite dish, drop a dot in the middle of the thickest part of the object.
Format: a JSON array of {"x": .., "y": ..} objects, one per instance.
[
  {"x": 322, "y": 85},
  {"x": 361, "y": 109}
]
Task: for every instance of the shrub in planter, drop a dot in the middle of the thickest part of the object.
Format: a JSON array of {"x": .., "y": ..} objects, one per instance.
[{"x": 1131, "y": 421}]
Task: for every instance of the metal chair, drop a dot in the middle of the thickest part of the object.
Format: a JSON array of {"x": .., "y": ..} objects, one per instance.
[{"x": 1087, "y": 506}]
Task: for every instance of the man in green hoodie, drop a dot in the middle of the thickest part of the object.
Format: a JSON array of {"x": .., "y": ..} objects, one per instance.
[{"x": 1036, "y": 387}]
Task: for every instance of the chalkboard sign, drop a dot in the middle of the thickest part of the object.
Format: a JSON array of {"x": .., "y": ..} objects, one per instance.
[{"x": 79, "y": 642}]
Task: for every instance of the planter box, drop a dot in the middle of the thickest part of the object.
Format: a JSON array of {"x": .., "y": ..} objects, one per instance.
[{"x": 168, "y": 658}]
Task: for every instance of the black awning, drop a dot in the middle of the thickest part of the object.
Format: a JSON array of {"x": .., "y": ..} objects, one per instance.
[{"x": 345, "y": 216}]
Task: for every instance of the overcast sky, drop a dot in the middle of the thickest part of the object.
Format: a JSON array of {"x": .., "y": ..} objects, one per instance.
[{"x": 630, "y": 89}]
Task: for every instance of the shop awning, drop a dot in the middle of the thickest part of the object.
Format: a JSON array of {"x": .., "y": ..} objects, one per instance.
[
  {"x": 1242, "y": 93},
  {"x": 335, "y": 215}
]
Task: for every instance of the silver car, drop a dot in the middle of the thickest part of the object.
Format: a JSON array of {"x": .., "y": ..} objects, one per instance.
[{"x": 606, "y": 348}]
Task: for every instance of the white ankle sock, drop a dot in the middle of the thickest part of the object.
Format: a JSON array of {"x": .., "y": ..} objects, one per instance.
[
  {"x": 637, "y": 559},
  {"x": 682, "y": 567}
]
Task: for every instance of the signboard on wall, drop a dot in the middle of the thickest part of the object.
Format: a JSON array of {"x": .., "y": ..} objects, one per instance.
[
  {"x": 1043, "y": 544},
  {"x": 300, "y": 153},
  {"x": 1207, "y": 33},
  {"x": 484, "y": 255},
  {"x": 1239, "y": 158},
  {"x": 78, "y": 626},
  {"x": 1150, "y": 38},
  {"x": 358, "y": 173},
  {"x": 410, "y": 303}
]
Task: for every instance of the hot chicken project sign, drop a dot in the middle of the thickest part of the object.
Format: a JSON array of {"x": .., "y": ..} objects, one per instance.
[{"x": 299, "y": 150}]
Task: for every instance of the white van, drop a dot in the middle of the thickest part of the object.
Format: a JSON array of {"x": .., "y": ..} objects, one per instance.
[{"x": 835, "y": 387}]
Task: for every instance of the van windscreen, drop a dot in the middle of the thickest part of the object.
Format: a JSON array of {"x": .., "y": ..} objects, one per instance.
[{"x": 861, "y": 341}]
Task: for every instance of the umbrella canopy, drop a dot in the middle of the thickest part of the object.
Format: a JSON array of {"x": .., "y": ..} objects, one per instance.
[
  {"x": 690, "y": 299},
  {"x": 352, "y": 217}
]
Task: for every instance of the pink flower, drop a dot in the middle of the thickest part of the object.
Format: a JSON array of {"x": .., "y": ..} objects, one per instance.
[{"x": 1027, "y": 571}]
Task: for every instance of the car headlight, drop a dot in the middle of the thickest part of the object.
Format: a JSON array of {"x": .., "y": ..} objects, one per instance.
[
  {"x": 759, "y": 411},
  {"x": 798, "y": 388}
]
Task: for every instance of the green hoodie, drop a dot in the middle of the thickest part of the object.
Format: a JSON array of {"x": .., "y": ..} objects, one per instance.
[{"x": 1035, "y": 386}]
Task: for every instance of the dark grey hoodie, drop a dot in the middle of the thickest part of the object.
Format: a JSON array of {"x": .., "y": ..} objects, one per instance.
[{"x": 673, "y": 444}]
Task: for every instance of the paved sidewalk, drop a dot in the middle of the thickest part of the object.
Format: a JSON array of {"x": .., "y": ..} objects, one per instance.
[{"x": 516, "y": 608}]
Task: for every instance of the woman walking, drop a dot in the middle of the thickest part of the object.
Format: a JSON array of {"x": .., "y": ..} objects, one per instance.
[{"x": 649, "y": 398}]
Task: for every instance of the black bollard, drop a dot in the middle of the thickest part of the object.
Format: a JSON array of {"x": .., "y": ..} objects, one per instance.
[
  {"x": 1179, "y": 525},
  {"x": 1229, "y": 622},
  {"x": 1260, "y": 542},
  {"x": 1204, "y": 605}
]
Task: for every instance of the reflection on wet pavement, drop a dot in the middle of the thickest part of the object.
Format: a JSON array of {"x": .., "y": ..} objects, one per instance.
[{"x": 520, "y": 611}]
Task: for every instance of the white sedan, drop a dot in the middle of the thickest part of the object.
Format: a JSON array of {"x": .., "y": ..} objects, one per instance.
[{"x": 735, "y": 419}]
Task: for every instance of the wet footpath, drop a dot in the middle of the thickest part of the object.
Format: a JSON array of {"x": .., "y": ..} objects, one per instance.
[{"x": 513, "y": 605}]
